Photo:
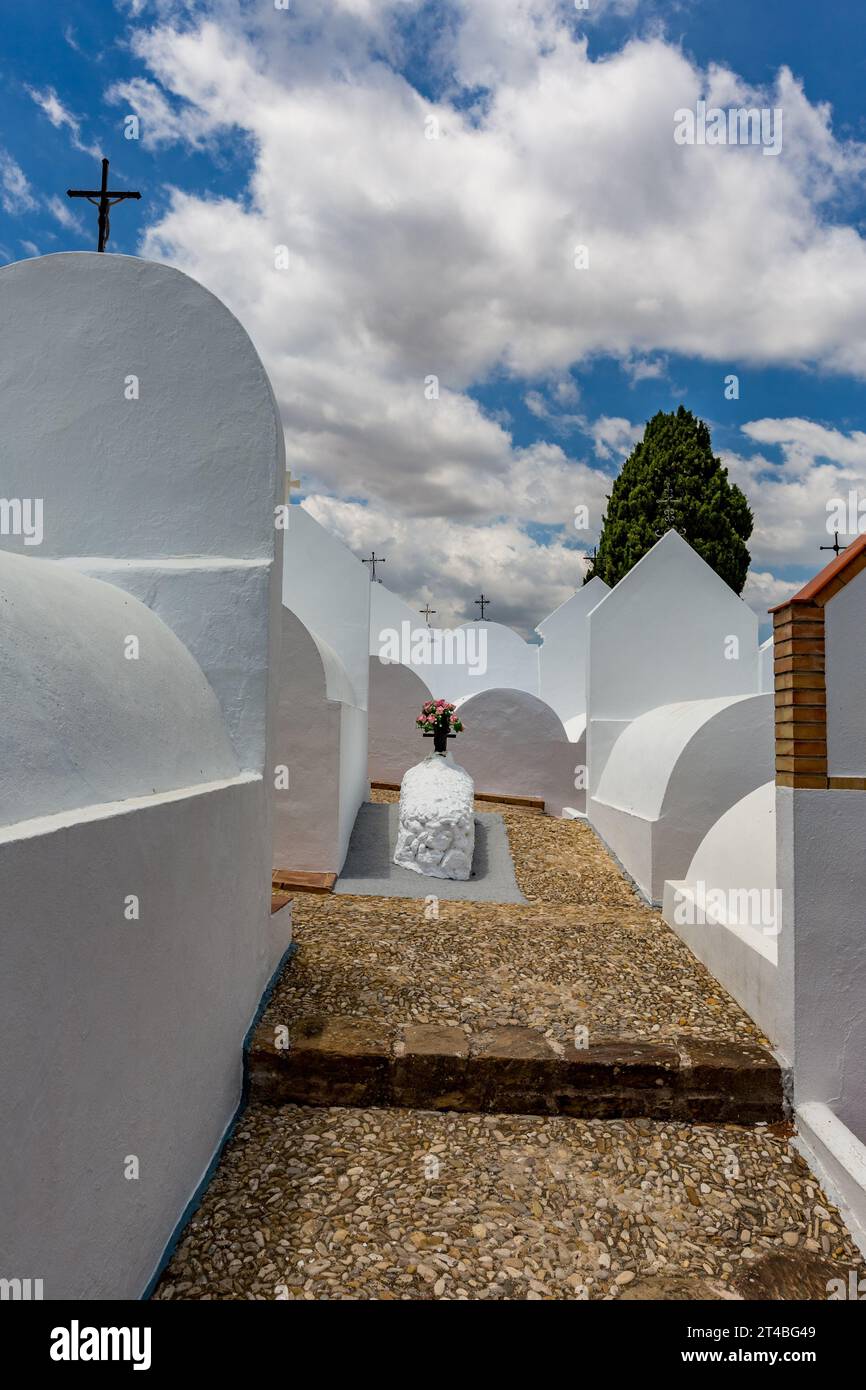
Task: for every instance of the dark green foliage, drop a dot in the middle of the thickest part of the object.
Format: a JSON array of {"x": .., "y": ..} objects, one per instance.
[{"x": 673, "y": 480}]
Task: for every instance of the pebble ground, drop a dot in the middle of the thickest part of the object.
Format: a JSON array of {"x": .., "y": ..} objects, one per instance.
[
  {"x": 405, "y": 1204},
  {"x": 399, "y": 1204}
]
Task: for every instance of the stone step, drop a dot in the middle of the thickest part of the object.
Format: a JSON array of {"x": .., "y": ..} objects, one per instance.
[{"x": 339, "y": 1061}]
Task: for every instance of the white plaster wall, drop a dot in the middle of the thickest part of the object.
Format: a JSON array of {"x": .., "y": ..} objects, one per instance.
[
  {"x": 516, "y": 745},
  {"x": 822, "y": 874},
  {"x": 670, "y": 776},
  {"x": 511, "y": 664},
  {"x": 122, "y": 1037},
  {"x": 509, "y": 661},
  {"x": 396, "y": 696},
  {"x": 82, "y": 722},
  {"x": 322, "y": 740},
  {"x": 562, "y": 655},
  {"x": 329, "y": 590},
  {"x": 387, "y": 614},
  {"x": 766, "y": 676},
  {"x": 170, "y": 496},
  {"x": 845, "y": 653},
  {"x": 738, "y": 854},
  {"x": 659, "y": 637}
]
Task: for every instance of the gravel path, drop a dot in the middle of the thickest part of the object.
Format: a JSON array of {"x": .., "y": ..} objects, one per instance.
[
  {"x": 407, "y": 1204},
  {"x": 585, "y": 952},
  {"x": 402, "y": 1204}
]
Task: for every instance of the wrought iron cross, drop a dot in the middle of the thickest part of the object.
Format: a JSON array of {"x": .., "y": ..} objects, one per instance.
[
  {"x": 373, "y": 561},
  {"x": 668, "y": 516},
  {"x": 102, "y": 198},
  {"x": 836, "y": 547},
  {"x": 482, "y": 602},
  {"x": 426, "y": 612}
]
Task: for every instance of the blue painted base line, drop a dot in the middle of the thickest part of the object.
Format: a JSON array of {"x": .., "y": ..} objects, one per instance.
[{"x": 195, "y": 1200}]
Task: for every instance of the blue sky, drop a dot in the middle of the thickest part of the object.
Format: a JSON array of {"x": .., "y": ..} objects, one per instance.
[{"x": 262, "y": 128}]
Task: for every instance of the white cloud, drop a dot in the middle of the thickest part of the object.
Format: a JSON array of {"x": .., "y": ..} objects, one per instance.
[
  {"x": 16, "y": 195},
  {"x": 454, "y": 257},
  {"x": 614, "y": 437},
  {"x": 61, "y": 118},
  {"x": 63, "y": 214}
]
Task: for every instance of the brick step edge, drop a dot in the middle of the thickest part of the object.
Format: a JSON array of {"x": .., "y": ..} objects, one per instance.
[{"x": 336, "y": 1061}]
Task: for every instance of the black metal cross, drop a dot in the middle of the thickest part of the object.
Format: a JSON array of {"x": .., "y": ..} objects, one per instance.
[
  {"x": 102, "y": 198},
  {"x": 835, "y": 546},
  {"x": 482, "y": 602},
  {"x": 373, "y": 561},
  {"x": 427, "y": 611}
]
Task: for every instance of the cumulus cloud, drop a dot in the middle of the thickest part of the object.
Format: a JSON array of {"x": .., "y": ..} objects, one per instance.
[{"x": 434, "y": 237}]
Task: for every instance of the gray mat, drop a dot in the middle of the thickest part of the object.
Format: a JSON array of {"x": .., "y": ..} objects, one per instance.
[{"x": 369, "y": 868}]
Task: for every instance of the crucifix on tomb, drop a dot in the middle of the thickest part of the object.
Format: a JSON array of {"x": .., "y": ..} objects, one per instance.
[
  {"x": 427, "y": 610},
  {"x": 483, "y": 603},
  {"x": 835, "y": 547},
  {"x": 290, "y": 483},
  {"x": 103, "y": 198},
  {"x": 373, "y": 561}
]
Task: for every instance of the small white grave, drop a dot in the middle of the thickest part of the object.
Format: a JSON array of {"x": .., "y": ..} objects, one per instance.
[{"x": 437, "y": 819}]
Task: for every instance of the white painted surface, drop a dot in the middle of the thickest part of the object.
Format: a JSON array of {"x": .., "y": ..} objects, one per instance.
[
  {"x": 130, "y": 1031},
  {"x": 82, "y": 723},
  {"x": 396, "y": 696},
  {"x": 845, "y": 659},
  {"x": 822, "y": 874},
  {"x": 838, "y": 1160},
  {"x": 766, "y": 677},
  {"x": 737, "y": 857},
  {"x": 123, "y": 1037},
  {"x": 663, "y": 636},
  {"x": 320, "y": 735},
  {"x": 508, "y": 661},
  {"x": 436, "y": 833},
  {"x": 170, "y": 496},
  {"x": 515, "y": 744},
  {"x": 671, "y": 774},
  {"x": 562, "y": 655},
  {"x": 329, "y": 590}
]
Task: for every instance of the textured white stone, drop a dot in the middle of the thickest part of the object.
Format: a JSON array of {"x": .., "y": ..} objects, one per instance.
[{"x": 437, "y": 819}]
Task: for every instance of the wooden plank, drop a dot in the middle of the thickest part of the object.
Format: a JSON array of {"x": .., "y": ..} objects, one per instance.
[
  {"x": 530, "y": 803},
  {"x": 279, "y": 900},
  {"x": 303, "y": 881}
]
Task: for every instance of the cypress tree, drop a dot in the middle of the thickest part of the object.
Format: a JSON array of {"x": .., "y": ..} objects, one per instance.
[{"x": 673, "y": 480}]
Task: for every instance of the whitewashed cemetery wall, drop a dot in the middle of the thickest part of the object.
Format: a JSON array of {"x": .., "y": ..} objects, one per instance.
[
  {"x": 821, "y": 829},
  {"x": 135, "y": 811},
  {"x": 562, "y": 655},
  {"x": 328, "y": 590},
  {"x": 676, "y": 731}
]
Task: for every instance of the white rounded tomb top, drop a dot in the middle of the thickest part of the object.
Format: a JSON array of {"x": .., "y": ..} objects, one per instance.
[
  {"x": 169, "y": 435},
  {"x": 642, "y": 762},
  {"x": 739, "y": 851},
  {"x": 513, "y": 711},
  {"x": 85, "y": 720}
]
